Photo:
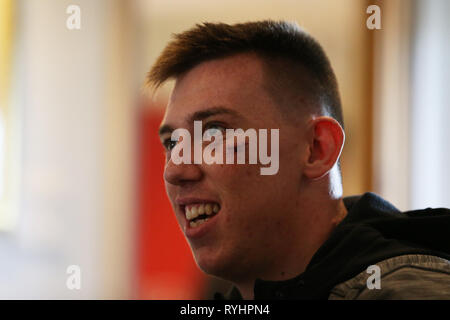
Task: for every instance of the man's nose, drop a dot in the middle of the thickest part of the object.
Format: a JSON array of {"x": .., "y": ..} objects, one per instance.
[{"x": 179, "y": 174}]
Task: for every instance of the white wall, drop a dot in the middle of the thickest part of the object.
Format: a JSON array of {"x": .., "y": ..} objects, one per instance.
[
  {"x": 430, "y": 109},
  {"x": 412, "y": 109}
]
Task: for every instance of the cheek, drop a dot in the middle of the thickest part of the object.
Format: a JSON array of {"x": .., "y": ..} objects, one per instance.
[
  {"x": 246, "y": 193},
  {"x": 243, "y": 186},
  {"x": 240, "y": 183}
]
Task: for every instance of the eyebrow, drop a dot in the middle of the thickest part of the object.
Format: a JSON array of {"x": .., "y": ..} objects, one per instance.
[{"x": 201, "y": 115}]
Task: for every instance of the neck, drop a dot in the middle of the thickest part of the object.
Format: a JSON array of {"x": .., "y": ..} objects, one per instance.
[{"x": 310, "y": 233}]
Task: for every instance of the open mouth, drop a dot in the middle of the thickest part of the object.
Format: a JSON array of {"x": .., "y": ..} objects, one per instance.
[{"x": 199, "y": 213}]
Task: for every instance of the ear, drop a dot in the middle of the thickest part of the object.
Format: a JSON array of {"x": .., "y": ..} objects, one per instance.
[{"x": 325, "y": 142}]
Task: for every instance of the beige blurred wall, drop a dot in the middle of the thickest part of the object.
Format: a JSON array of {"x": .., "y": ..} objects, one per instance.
[
  {"x": 340, "y": 26},
  {"x": 73, "y": 88},
  {"x": 392, "y": 104}
]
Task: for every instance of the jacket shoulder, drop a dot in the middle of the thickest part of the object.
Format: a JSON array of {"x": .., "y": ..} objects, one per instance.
[{"x": 409, "y": 277}]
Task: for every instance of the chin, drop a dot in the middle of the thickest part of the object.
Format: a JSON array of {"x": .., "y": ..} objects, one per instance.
[
  {"x": 217, "y": 266},
  {"x": 210, "y": 264},
  {"x": 207, "y": 263}
]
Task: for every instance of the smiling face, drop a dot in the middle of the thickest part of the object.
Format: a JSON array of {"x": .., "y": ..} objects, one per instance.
[{"x": 255, "y": 216}]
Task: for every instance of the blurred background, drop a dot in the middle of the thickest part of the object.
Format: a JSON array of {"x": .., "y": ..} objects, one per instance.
[{"x": 81, "y": 165}]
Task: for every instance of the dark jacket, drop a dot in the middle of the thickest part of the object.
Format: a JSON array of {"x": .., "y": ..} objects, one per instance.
[{"x": 411, "y": 249}]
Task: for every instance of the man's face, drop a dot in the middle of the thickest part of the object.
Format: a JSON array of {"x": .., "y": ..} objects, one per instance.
[{"x": 257, "y": 213}]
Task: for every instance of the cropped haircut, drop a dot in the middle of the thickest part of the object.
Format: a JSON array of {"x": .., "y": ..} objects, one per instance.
[{"x": 294, "y": 60}]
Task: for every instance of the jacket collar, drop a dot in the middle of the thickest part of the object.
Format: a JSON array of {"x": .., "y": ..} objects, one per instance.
[{"x": 351, "y": 247}]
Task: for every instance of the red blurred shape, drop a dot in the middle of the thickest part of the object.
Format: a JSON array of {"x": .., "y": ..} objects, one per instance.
[{"x": 166, "y": 269}]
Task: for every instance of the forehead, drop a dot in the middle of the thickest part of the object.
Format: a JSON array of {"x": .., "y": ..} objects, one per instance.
[{"x": 235, "y": 82}]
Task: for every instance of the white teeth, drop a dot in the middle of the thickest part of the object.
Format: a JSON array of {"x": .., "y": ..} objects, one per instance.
[
  {"x": 194, "y": 224},
  {"x": 201, "y": 221},
  {"x": 188, "y": 213},
  {"x": 194, "y": 211}
]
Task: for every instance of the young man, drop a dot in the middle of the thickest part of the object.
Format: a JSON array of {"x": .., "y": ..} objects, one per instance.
[{"x": 288, "y": 234}]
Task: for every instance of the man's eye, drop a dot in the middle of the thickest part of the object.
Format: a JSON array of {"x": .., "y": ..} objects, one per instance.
[
  {"x": 214, "y": 129},
  {"x": 169, "y": 144}
]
